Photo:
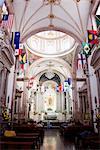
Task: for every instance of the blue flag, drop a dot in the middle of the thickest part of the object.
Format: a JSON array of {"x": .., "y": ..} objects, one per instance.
[
  {"x": 69, "y": 81},
  {"x": 17, "y": 40},
  {"x": 57, "y": 88}
]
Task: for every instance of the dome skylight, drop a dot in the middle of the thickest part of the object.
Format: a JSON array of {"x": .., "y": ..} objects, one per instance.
[{"x": 50, "y": 43}]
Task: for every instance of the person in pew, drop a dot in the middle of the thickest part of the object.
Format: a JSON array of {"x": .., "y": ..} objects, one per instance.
[
  {"x": 40, "y": 124},
  {"x": 85, "y": 134},
  {"x": 49, "y": 125},
  {"x": 32, "y": 123}
]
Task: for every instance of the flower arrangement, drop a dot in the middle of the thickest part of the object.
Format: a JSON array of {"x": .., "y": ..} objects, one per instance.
[
  {"x": 5, "y": 115},
  {"x": 98, "y": 117}
]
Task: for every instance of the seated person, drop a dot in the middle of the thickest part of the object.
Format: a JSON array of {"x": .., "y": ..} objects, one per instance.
[
  {"x": 49, "y": 124},
  {"x": 40, "y": 124}
]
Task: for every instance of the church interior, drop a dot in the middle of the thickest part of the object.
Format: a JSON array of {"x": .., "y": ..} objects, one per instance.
[{"x": 49, "y": 74}]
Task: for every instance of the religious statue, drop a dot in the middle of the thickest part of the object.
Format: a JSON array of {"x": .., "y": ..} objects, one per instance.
[{"x": 50, "y": 101}]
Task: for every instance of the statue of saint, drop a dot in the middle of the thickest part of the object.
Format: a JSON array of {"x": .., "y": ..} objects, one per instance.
[{"x": 50, "y": 101}]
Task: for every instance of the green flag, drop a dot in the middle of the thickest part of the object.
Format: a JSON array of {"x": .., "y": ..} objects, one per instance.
[{"x": 97, "y": 17}]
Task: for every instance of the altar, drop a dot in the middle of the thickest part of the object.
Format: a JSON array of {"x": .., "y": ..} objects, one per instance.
[{"x": 50, "y": 116}]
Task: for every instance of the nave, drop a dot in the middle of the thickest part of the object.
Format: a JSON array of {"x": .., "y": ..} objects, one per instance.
[
  {"x": 54, "y": 141},
  {"x": 49, "y": 73}
]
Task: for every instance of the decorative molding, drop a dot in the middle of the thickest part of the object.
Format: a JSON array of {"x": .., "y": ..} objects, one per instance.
[
  {"x": 6, "y": 51},
  {"x": 49, "y": 2},
  {"x": 95, "y": 60},
  {"x": 1, "y": 66}
]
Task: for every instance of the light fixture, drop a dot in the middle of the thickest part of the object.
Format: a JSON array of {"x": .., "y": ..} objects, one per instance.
[{"x": 55, "y": 2}]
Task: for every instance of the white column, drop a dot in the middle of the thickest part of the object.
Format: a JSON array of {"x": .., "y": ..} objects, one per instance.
[
  {"x": 67, "y": 102},
  {"x": 1, "y": 67},
  {"x": 37, "y": 101},
  {"x": 57, "y": 102},
  {"x": 62, "y": 100},
  {"x": 40, "y": 106},
  {"x": 3, "y": 84}
]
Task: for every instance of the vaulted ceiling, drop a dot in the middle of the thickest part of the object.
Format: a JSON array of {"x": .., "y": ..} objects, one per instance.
[{"x": 68, "y": 16}]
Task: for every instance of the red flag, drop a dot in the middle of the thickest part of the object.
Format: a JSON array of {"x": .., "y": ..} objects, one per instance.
[
  {"x": 60, "y": 88},
  {"x": 95, "y": 41},
  {"x": 20, "y": 51},
  {"x": 8, "y": 23},
  {"x": 93, "y": 32},
  {"x": 22, "y": 66},
  {"x": 92, "y": 37}
]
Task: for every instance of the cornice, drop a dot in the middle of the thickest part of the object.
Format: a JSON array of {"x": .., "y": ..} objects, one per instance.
[
  {"x": 95, "y": 60},
  {"x": 6, "y": 50}
]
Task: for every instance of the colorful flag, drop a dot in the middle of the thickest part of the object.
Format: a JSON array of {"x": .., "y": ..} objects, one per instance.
[
  {"x": 16, "y": 52},
  {"x": 19, "y": 51},
  {"x": 97, "y": 17},
  {"x": 86, "y": 49},
  {"x": 17, "y": 40},
  {"x": 60, "y": 88},
  {"x": 66, "y": 86},
  {"x": 7, "y": 21},
  {"x": 92, "y": 37},
  {"x": 57, "y": 88},
  {"x": 81, "y": 60},
  {"x": 22, "y": 66},
  {"x": 69, "y": 79},
  {"x": 21, "y": 46},
  {"x": 23, "y": 58}
]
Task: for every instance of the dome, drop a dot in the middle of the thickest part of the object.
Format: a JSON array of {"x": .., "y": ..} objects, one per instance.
[{"x": 50, "y": 43}]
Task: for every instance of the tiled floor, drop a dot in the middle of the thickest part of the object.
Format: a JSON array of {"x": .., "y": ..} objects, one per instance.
[{"x": 53, "y": 141}]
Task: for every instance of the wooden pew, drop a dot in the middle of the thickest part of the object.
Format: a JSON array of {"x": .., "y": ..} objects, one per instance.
[
  {"x": 12, "y": 145},
  {"x": 30, "y": 129},
  {"x": 38, "y": 141},
  {"x": 22, "y": 139}
]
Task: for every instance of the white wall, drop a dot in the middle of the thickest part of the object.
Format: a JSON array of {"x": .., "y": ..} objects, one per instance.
[
  {"x": 10, "y": 86},
  {"x": 93, "y": 85},
  {"x": 94, "y": 90}
]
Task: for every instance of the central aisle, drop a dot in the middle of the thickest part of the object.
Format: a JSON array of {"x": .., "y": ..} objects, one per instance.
[{"x": 53, "y": 141}]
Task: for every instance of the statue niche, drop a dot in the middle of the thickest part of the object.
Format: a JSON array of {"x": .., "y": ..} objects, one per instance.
[{"x": 50, "y": 101}]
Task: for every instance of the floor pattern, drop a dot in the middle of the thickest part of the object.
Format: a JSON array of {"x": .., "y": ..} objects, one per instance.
[{"x": 54, "y": 141}]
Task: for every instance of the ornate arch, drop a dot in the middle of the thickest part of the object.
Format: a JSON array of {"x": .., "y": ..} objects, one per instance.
[{"x": 53, "y": 28}]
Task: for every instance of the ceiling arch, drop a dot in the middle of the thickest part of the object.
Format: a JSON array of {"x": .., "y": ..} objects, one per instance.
[
  {"x": 44, "y": 64},
  {"x": 64, "y": 15},
  {"x": 55, "y": 78},
  {"x": 64, "y": 30},
  {"x": 45, "y": 45}
]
